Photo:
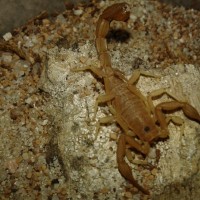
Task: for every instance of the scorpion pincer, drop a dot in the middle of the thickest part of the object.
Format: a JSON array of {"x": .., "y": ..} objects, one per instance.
[{"x": 140, "y": 121}]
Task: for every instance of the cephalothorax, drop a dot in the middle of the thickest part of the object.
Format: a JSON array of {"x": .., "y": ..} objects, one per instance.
[{"x": 140, "y": 121}]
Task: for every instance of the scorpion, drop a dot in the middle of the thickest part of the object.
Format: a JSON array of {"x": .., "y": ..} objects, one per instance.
[{"x": 141, "y": 122}]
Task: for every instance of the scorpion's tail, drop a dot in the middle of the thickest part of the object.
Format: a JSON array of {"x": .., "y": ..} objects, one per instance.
[{"x": 119, "y": 12}]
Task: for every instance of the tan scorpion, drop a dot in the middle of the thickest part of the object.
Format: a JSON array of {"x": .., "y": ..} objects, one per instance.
[{"x": 141, "y": 123}]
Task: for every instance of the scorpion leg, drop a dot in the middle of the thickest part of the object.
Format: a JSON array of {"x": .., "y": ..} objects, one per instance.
[
  {"x": 103, "y": 120},
  {"x": 95, "y": 70},
  {"x": 177, "y": 121},
  {"x": 111, "y": 119},
  {"x": 136, "y": 75},
  {"x": 102, "y": 99},
  {"x": 131, "y": 158},
  {"x": 158, "y": 93},
  {"x": 188, "y": 110},
  {"x": 123, "y": 167}
]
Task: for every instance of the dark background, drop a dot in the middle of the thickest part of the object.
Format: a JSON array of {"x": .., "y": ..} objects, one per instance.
[{"x": 14, "y": 13}]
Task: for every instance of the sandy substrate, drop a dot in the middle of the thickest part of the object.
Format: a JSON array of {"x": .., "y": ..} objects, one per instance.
[{"x": 48, "y": 148}]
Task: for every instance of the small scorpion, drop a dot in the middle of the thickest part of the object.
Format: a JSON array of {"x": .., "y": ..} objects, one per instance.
[{"x": 141, "y": 122}]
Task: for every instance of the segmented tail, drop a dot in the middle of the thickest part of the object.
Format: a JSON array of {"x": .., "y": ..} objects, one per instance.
[{"x": 118, "y": 12}]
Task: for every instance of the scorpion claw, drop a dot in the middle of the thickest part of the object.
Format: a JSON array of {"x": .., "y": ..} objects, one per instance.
[
  {"x": 123, "y": 167},
  {"x": 126, "y": 172}
]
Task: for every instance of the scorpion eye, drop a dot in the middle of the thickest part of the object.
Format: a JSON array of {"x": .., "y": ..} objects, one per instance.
[{"x": 146, "y": 129}]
